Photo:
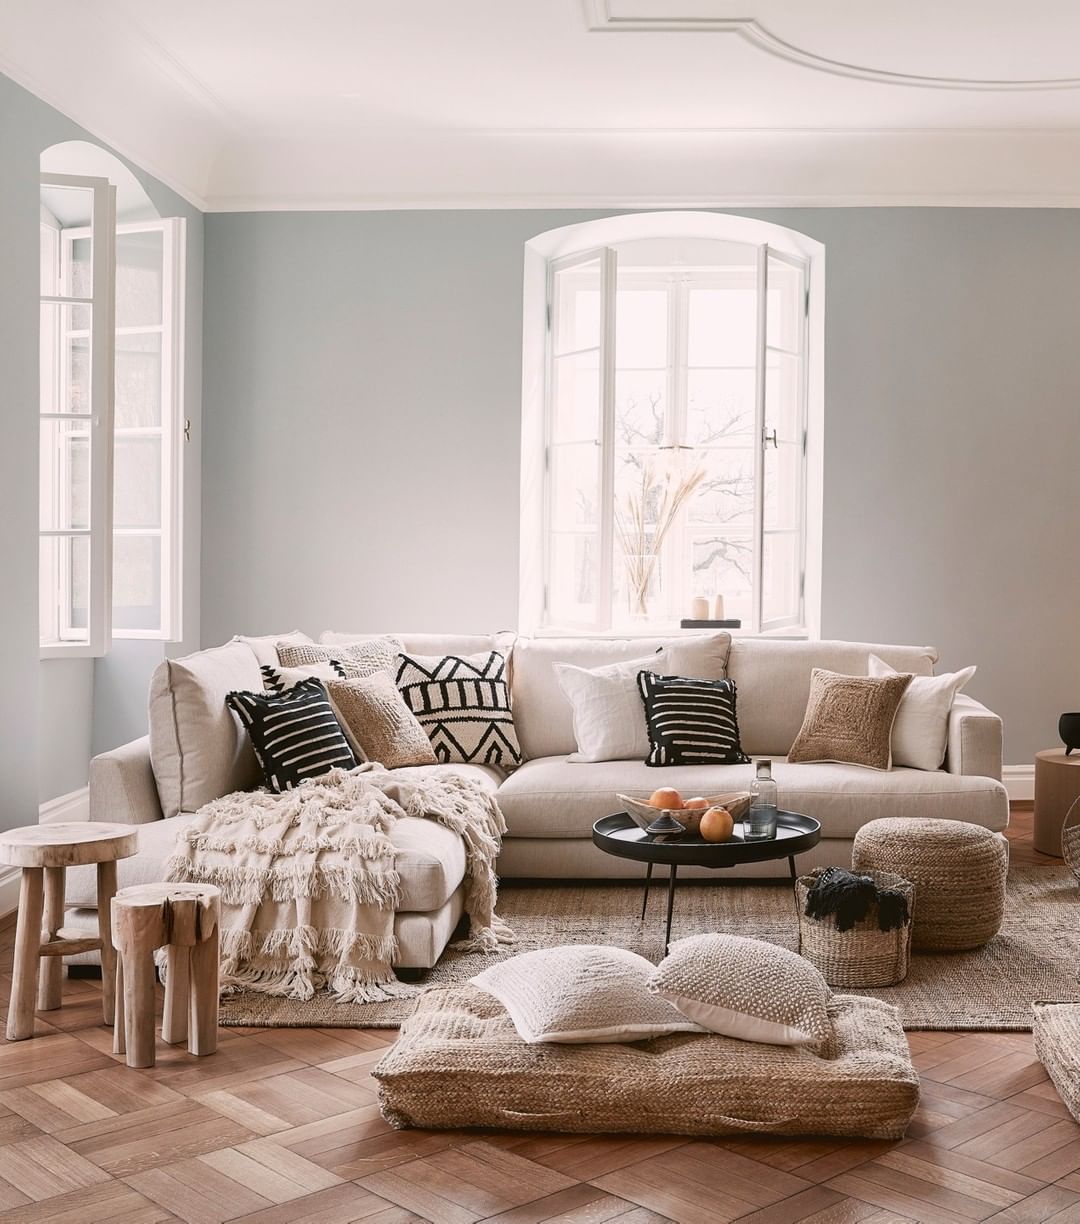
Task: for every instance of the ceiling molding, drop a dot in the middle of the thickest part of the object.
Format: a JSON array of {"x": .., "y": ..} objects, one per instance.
[
  {"x": 138, "y": 160},
  {"x": 603, "y": 17}
]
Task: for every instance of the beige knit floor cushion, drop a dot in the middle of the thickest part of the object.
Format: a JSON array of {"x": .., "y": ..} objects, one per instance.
[
  {"x": 958, "y": 871},
  {"x": 1056, "y": 1027},
  {"x": 460, "y": 1063}
]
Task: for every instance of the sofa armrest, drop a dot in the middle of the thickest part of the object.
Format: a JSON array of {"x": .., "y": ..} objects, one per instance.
[
  {"x": 122, "y": 786},
  {"x": 974, "y": 745}
]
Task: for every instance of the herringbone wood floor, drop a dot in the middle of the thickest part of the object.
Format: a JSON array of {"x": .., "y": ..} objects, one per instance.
[{"x": 281, "y": 1125}]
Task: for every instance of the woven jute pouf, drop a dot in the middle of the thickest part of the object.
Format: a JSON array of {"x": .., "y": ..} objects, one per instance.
[
  {"x": 863, "y": 956},
  {"x": 958, "y": 870},
  {"x": 1056, "y": 1028},
  {"x": 459, "y": 1062}
]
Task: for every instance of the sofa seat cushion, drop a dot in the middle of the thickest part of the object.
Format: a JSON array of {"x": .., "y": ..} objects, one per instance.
[
  {"x": 551, "y": 797},
  {"x": 459, "y": 1062},
  {"x": 430, "y": 858}
]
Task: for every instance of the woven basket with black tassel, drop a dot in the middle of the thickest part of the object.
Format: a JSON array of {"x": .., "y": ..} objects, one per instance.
[{"x": 848, "y": 943}]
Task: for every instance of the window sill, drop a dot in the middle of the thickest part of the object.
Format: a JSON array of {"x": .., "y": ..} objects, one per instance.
[
  {"x": 673, "y": 629},
  {"x": 68, "y": 650}
]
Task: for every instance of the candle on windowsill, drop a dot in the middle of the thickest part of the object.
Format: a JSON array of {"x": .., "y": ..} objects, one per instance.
[
  {"x": 718, "y": 608},
  {"x": 699, "y": 608}
]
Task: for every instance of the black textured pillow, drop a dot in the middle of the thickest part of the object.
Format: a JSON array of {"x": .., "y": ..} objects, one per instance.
[
  {"x": 295, "y": 734},
  {"x": 463, "y": 703},
  {"x": 690, "y": 722}
]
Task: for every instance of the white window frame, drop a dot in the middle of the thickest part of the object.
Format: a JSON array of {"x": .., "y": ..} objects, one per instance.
[
  {"x": 561, "y": 249},
  {"x": 99, "y": 422}
]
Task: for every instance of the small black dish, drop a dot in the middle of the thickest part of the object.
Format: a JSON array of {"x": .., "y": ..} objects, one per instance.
[{"x": 664, "y": 826}]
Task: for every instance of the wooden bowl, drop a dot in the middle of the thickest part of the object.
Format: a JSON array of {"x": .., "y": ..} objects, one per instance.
[{"x": 642, "y": 813}]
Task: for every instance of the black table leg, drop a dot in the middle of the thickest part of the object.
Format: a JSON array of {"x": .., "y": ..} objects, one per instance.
[
  {"x": 791, "y": 866},
  {"x": 645, "y": 899},
  {"x": 673, "y": 872}
]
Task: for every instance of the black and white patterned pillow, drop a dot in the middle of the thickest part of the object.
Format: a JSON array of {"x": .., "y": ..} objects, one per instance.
[
  {"x": 284, "y": 679},
  {"x": 690, "y": 722},
  {"x": 295, "y": 734},
  {"x": 463, "y": 703}
]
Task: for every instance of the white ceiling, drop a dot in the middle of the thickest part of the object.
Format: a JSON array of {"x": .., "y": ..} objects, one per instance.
[{"x": 461, "y": 103}]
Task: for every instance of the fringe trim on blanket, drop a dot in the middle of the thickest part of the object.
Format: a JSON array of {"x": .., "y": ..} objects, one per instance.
[{"x": 253, "y": 885}]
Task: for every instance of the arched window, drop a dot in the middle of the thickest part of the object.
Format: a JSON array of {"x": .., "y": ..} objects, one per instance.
[
  {"x": 111, "y": 406},
  {"x": 671, "y": 424}
]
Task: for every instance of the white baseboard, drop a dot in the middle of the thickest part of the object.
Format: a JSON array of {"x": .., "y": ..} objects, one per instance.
[
  {"x": 66, "y": 808},
  {"x": 1019, "y": 781},
  {"x": 9, "y": 890}
]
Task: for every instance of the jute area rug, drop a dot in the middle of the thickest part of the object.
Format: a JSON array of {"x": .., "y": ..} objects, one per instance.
[{"x": 1035, "y": 956}]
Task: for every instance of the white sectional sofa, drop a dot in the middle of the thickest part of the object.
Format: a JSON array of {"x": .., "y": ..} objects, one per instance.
[{"x": 549, "y": 802}]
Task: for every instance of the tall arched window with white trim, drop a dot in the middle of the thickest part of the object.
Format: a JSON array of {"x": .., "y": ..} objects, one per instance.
[{"x": 671, "y": 425}]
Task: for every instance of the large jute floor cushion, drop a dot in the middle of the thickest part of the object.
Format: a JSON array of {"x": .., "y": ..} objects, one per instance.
[
  {"x": 958, "y": 870},
  {"x": 460, "y": 1063},
  {"x": 1056, "y": 1027}
]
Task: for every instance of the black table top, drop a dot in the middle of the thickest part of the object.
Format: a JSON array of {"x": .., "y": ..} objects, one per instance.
[{"x": 619, "y": 835}]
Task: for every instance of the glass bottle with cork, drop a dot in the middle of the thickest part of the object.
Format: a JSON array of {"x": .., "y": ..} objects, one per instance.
[{"x": 761, "y": 818}]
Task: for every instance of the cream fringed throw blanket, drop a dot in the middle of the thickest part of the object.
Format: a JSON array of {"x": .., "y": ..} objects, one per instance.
[{"x": 307, "y": 878}]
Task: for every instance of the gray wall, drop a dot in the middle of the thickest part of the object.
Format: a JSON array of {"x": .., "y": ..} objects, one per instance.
[
  {"x": 362, "y": 387},
  {"x": 54, "y": 713}
]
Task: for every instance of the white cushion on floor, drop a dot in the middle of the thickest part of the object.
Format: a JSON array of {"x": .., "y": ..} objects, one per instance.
[{"x": 552, "y": 797}]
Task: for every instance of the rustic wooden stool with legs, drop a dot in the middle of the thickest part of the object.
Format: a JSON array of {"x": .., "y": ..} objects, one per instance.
[
  {"x": 183, "y": 919},
  {"x": 44, "y": 852}
]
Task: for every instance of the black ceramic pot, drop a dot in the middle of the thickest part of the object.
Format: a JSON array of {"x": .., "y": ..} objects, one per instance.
[{"x": 1069, "y": 730}]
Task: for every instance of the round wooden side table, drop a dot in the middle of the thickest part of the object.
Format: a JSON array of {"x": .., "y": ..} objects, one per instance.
[
  {"x": 1057, "y": 787},
  {"x": 44, "y": 852}
]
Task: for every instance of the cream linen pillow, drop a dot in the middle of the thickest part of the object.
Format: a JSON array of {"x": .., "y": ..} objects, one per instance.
[
  {"x": 581, "y": 993},
  {"x": 746, "y": 988},
  {"x": 609, "y": 718},
  {"x": 921, "y": 730}
]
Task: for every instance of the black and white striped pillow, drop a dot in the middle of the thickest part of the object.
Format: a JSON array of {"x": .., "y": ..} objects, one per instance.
[
  {"x": 690, "y": 722},
  {"x": 295, "y": 734}
]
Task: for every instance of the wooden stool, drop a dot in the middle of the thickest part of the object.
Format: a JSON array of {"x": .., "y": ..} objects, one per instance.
[
  {"x": 43, "y": 852},
  {"x": 1057, "y": 787},
  {"x": 183, "y": 919}
]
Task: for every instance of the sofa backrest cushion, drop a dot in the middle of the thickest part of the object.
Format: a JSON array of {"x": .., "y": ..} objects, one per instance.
[
  {"x": 431, "y": 643},
  {"x": 773, "y": 681},
  {"x": 543, "y": 715},
  {"x": 265, "y": 647},
  {"x": 197, "y": 746}
]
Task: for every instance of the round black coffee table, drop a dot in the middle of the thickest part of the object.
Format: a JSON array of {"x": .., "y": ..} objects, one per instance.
[{"x": 619, "y": 835}]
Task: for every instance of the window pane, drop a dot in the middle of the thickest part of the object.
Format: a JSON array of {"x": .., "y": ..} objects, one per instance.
[
  {"x": 723, "y": 327},
  {"x": 783, "y": 305},
  {"x": 49, "y": 253},
  {"x": 641, "y": 329},
  {"x": 65, "y": 476},
  {"x": 780, "y": 577},
  {"x": 65, "y": 571},
  {"x": 64, "y": 360},
  {"x": 137, "y": 482},
  {"x": 576, "y": 397},
  {"x": 572, "y": 589},
  {"x": 782, "y": 493},
  {"x": 139, "y": 261},
  {"x": 783, "y": 396},
  {"x": 726, "y": 494},
  {"x": 720, "y": 406},
  {"x": 722, "y": 564},
  {"x": 80, "y": 268},
  {"x": 576, "y": 307},
  {"x": 575, "y": 486},
  {"x": 138, "y": 380},
  {"x": 640, "y": 404},
  {"x": 137, "y": 582}
]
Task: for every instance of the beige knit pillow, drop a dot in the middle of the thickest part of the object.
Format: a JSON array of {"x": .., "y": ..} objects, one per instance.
[
  {"x": 746, "y": 988},
  {"x": 378, "y": 721},
  {"x": 849, "y": 719},
  {"x": 359, "y": 658},
  {"x": 581, "y": 993}
]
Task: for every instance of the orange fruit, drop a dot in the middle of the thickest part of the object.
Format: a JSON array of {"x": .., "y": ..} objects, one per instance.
[
  {"x": 666, "y": 797},
  {"x": 717, "y": 825},
  {"x": 696, "y": 803}
]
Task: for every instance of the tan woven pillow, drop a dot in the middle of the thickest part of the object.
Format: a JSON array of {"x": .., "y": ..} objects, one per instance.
[
  {"x": 360, "y": 658},
  {"x": 379, "y": 722},
  {"x": 746, "y": 988},
  {"x": 849, "y": 719},
  {"x": 581, "y": 993}
]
